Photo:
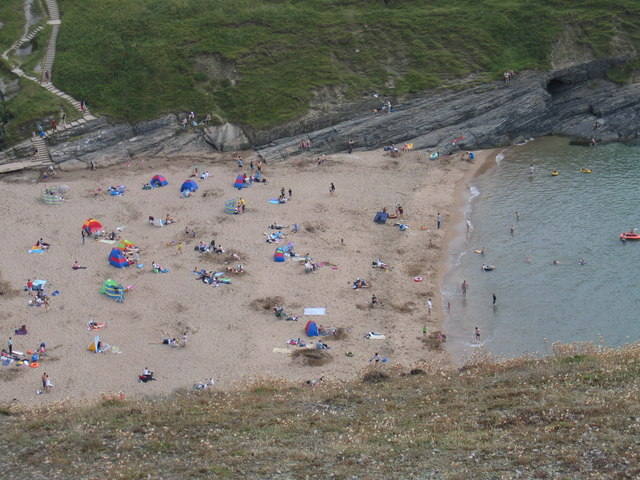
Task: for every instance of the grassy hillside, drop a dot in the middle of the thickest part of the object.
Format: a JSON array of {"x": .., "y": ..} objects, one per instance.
[
  {"x": 259, "y": 62},
  {"x": 575, "y": 415}
]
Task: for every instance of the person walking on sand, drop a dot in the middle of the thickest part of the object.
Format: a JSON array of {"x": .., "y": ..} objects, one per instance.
[
  {"x": 465, "y": 285},
  {"x": 10, "y": 344},
  {"x": 375, "y": 359},
  {"x": 45, "y": 377},
  {"x": 439, "y": 220},
  {"x": 494, "y": 298},
  {"x": 425, "y": 330},
  {"x": 332, "y": 189},
  {"x": 351, "y": 144},
  {"x": 429, "y": 305},
  {"x": 477, "y": 331}
]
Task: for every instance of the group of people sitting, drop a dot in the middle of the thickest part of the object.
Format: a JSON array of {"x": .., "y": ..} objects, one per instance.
[
  {"x": 173, "y": 342},
  {"x": 280, "y": 313},
  {"x": 238, "y": 269},
  {"x": 42, "y": 245},
  {"x": 145, "y": 376},
  {"x": 359, "y": 283},
  {"x": 157, "y": 268},
  {"x": 208, "y": 277}
]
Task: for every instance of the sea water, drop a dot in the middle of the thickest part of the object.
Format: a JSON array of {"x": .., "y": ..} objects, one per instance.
[{"x": 562, "y": 218}]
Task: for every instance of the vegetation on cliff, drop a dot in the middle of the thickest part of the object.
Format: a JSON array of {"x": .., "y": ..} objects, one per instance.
[
  {"x": 574, "y": 414},
  {"x": 263, "y": 63}
]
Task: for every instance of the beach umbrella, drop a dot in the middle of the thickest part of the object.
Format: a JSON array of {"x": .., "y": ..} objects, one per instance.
[
  {"x": 124, "y": 244},
  {"x": 92, "y": 226}
]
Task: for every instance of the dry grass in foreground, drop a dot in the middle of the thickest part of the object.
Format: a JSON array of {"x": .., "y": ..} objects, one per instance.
[{"x": 573, "y": 415}]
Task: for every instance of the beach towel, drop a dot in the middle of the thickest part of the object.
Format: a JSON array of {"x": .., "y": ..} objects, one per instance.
[
  {"x": 281, "y": 350},
  {"x": 315, "y": 311},
  {"x": 375, "y": 336},
  {"x": 105, "y": 240},
  {"x": 274, "y": 200},
  {"x": 36, "y": 250}
]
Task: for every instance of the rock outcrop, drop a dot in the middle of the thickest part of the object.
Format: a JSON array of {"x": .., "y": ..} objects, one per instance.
[
  {"x": 108, "y": 144},
  {"x": 568, "y": 102},
  {"x": 576, "y": 101}
]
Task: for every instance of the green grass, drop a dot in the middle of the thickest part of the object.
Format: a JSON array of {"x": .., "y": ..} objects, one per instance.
[
  {"x": 258, "y": 63},
  {"x": 572, "y": 415},
  {"x": 139, "y": 59},
  {"x": 12, "y": 16},
  {"x": 32, "y": 105}
]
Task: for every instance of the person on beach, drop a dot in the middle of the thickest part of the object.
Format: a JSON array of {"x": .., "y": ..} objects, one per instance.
[
  {"x": 494, "y": 298},
  {"x": 425, "y": 330},
  {"x": 332, "y": 189},
  {"x": 351, "y": 144},
  {"x": 477, "y": 332},
  {"x": 465, "y": 285},
  {"x": 76, "y": 266},
  {"x": 44, "y": 379},
  {"x": 468, "y": 225},
  {"x": 439, "y": 220},
  {"x": 375, "y": 359},
  {"x": 429, "y": 305},
  {"x": 10, "y": 345}
]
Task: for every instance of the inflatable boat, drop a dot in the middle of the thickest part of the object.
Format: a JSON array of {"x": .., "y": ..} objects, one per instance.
[{"x": 632, "y": 235}]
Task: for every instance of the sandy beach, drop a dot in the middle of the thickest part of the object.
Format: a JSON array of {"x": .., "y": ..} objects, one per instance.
[{"x": 232, "y": 330}]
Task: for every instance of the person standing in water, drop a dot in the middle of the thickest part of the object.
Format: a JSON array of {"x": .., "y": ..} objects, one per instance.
[
  {"x": 477, "y": 332},
  {"x": 494, "y": 298}
]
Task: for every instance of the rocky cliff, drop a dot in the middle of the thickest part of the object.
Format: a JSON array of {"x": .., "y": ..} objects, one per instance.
[
  {"x": 577, "y": 101},
  {"x": 568, "y": 102}
]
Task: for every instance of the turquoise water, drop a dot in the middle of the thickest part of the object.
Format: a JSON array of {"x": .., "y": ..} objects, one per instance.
[{"x": 565, "y": 218}]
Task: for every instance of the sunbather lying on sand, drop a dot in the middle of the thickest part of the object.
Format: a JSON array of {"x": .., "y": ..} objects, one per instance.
[
  {"x": 379, "y": 264},
  {"x": 359, "y": 283}
]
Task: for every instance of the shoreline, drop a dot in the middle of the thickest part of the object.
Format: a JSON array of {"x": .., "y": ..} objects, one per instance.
[
  {"x": 233, "y": 334},
  {"x": 456, "y": 234}
]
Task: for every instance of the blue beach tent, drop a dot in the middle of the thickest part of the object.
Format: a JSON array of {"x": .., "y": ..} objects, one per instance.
[{"x": 189, "y": 185}]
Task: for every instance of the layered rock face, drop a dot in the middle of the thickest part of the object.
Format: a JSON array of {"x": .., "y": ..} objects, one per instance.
[
  {"x": 568, "y": 102},
  {"x": 577, "y": 102}
]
